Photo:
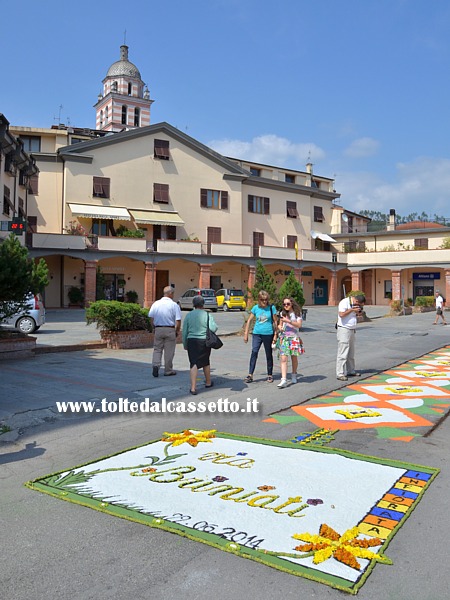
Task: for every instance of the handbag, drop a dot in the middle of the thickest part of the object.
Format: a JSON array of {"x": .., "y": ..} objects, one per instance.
[{"x": 212, "y": 340}]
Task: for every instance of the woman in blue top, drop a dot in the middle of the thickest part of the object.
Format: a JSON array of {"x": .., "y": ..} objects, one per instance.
[{"x": 264, "y": 332}]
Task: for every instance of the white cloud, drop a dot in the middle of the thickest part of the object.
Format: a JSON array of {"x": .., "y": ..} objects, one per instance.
[
  {"x": 421, "y": 185},
  {"x": 270, "y": 149},
  {"x": 362, "y": 147}
]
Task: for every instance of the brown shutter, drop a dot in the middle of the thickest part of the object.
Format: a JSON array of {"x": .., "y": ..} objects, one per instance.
[
  {"x": 266, "y": 206},
  {"x": 204, "y": 198},
  {"x": 224, "y": 201},
  {"x": 291, "y": 241},
  {"x": 161, "y": 193},
  {"x": 34, "y": 184},
  {"x": 250, "y": 203},
  {"x": 106, "y": 183}
]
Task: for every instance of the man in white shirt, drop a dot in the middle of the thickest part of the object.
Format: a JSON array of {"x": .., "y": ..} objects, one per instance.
[
  {"x": 440, "y": 303},
  {"x": 348, "y": 310},
  {"x": 166, "y": 321}
]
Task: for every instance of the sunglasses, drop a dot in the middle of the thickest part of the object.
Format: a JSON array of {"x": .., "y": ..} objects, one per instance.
[{"x": 286, "y": 303}]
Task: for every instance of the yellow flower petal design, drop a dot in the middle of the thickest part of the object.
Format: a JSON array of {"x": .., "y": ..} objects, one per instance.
[
  {"x": 323, "y": 555},
  {"x": 189, "y": 437}
]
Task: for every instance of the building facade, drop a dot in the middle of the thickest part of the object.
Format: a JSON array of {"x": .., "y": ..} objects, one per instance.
[{"x": 134, "y": 206}]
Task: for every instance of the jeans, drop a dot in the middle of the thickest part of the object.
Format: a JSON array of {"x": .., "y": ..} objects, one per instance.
[{"x": 257, "y": 340}]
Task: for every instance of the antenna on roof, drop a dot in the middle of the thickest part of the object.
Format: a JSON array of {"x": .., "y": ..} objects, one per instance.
[
  {"x": 58, "y": 119},
  {"x": 125, "y": 37}
]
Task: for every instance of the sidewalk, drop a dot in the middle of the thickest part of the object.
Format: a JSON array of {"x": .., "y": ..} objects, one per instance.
[{"x": 61, "y": 551}]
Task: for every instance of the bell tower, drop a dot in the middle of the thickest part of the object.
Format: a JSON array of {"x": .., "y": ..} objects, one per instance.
[{"x": 125, "y": 101}]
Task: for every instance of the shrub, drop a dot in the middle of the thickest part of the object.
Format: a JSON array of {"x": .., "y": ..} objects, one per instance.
[
  {"x": 424, "y": 301},
  {"x": 396, "y": 305},
  {"x": 123, "y": 231},
  {"x": 112, "y": 315}
]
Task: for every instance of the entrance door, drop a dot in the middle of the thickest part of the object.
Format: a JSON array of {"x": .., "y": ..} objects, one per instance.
[
  {"x": 214, "y": 282},
  {"x": 162, "y": 279},
  {"x": 320, "y": 291},
  {"x": 113, "y": 286}
]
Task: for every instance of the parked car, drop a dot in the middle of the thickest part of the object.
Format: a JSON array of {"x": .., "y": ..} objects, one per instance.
[
  {"x": 185, "y": 302},
  {"x": 228, "y": 299},
  {"x": 29, "y": 319}
]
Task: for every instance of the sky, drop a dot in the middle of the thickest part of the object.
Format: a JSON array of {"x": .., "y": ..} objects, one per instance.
[{"x": 360, "y": 88}]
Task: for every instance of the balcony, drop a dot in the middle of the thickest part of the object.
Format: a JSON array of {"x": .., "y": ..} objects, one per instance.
[
  {"x": 121, "y": 244},
  {"x": 234, "y": 250},
  {"x": 178, "y": 247},
  {"x": 276, "y": 253},
  {"x": 399, "y": 258},
  {"x": 59, "y": 241},
  {"x": 322, "y": 256}
]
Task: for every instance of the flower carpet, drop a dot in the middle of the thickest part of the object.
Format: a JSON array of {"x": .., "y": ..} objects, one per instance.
[
  {"x": 399, "y": 404},
  {"x": 260, "y": 499}
]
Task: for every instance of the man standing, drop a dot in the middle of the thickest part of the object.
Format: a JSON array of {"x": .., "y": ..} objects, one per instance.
[
  {"x": 166, "y": 320},
  {"x": 440, "y": 303},
  {"x": 348, "y": 310}
]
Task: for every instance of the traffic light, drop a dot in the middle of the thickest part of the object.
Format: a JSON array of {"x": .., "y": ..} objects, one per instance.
[{"x": 17, "y": 225}]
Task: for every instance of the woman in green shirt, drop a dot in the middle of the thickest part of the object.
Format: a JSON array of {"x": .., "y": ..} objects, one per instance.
[{"x": 194, "y": 341}]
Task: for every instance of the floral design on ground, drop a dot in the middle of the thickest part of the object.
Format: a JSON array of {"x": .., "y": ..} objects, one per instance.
[
  {"x": 189, "y": 437},
  {"x": 220, "y": 478},
  {"x": 266, "y": 488},
  {"x": 405, "y": 390},
  {"x": 345, "y": 548}
]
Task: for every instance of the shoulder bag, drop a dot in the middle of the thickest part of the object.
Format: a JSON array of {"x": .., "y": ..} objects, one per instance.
[{"x": 212, "y": 340}]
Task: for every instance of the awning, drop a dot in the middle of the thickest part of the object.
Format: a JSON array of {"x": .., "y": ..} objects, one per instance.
[
  {"x": 91, "y": 211},
  {"x": 322, "y": 236},
  {"x": 156, "y": 217}
]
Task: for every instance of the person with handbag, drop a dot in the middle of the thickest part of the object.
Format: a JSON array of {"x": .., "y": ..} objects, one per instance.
[
  {"x": 195, "y": 328},
  {"x": 264, "y": 333},
  {"x": 289, "y": 342}
]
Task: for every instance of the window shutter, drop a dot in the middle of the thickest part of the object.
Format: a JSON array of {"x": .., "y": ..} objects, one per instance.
[
  {"x": 204, "y": 198},
  {"x": 266, "y": 206},
  {"x": 224, "y": 201},
  {"x": 34, "y": 184},
  {"x": 250, "y": 203},
  {"x": 161, "y": 192}
]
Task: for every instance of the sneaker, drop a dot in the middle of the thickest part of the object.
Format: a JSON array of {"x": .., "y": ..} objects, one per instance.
[
  {"x": 354, "y": 374},
  {"x": 283, "y": 383},
  {"x": 342, "y": 377},
  {"x": 155, "y": 371},
  {"x": 294, "y": 378}
]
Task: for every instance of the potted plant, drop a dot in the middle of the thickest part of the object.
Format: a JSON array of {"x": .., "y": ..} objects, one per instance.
[
  {"x": 121, "y": 325},
  {"x": 131, "y": 296},
  {"x": 75, "y": 295}
]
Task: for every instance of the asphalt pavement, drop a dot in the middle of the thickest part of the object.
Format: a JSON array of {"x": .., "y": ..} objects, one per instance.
[{"x": 56, "y": 550}]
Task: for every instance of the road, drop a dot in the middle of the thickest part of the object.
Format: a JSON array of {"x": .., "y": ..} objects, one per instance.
[{"x": 56, "y": 550}]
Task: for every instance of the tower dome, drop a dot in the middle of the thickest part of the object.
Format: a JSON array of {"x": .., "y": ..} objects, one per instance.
[
  {"x": 123, "y": 67},
  {"x": 124, "y": 102}
]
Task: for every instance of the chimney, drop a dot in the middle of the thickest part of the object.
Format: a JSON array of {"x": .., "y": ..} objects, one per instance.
[
  {"x": 309, "y": 167},
  {"x": 391, "y": 223}
]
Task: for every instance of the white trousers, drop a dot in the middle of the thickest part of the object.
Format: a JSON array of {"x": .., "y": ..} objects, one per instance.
[{"x": 345, "y": 362}]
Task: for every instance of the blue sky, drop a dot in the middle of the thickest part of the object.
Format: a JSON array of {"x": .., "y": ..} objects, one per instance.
[{"x": 360, "y": 86}]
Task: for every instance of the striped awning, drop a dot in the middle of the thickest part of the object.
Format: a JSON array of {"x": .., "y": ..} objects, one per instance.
[
  {"x": 156, "y": 217},
  {"x": 92, "y": 211}
]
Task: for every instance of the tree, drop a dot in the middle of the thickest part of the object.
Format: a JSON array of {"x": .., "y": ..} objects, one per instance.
[
  {"x": 291, "y": 288},
  {"x": 263, "y": 281},
  {"x": 19, "y": 276}
]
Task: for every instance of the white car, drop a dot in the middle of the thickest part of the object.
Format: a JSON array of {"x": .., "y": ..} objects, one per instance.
[{"x": 30, "y": 319}]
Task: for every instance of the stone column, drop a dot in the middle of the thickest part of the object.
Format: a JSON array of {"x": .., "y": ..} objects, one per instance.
[
  {"x": 396, "y": 285},
  {"x": 356, "y": 280},
  {"x": 149, "y": 284},
  {"x": 332, "y": 295},
  {"x": 251, "y": 277},
  {"x": 204, "y": 278},
  {"x": 90, "y": 281},
  {"x": 446, "y": 291}
]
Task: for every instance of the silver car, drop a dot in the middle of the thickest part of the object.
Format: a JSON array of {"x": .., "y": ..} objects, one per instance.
[
  {"x": 185, "y": 302},
  {"x": 31, "y": 318}
]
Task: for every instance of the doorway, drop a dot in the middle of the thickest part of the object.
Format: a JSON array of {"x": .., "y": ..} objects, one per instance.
[
  {"x": 320, "y": 291},
  {"x": 162, "y": 279}
]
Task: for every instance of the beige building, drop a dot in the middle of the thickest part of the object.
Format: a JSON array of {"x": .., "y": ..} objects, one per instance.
[
  {"x": 133, "y": 206},
  {"x": 18, "y": 172}
]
